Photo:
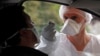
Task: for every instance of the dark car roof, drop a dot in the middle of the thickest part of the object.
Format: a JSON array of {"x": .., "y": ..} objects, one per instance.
[{"x": 91, "y": 6}]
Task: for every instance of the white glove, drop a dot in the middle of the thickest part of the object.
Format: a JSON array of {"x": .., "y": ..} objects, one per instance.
[{"x": 48, "y": 31}]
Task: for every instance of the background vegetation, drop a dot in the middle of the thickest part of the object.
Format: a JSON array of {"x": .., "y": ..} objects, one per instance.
[{"x": 43, "y": 12}]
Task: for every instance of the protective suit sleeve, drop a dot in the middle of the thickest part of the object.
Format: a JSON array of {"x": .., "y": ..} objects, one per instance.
[
  {"x": 48, "y": 46},
  {"x": 49, "y": 31}
]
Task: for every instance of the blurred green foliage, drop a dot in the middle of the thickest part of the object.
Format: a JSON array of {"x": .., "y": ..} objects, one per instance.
[{"x": 43, "y": 12}]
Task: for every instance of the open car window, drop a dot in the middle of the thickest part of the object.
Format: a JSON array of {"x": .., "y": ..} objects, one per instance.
[{"x": 43, "y": 11}]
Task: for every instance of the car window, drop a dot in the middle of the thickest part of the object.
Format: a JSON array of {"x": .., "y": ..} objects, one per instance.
[{"x": 42, "y": 12}]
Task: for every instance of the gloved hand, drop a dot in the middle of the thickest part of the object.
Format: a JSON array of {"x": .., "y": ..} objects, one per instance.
[{"x": 49, "y": 31}]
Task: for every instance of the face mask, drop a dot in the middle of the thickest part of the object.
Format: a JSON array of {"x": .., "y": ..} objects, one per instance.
[
  {"x": 35, "y": 32},
  {"x": 71, "y": 27},
  {"x": 32, "y": 29}
]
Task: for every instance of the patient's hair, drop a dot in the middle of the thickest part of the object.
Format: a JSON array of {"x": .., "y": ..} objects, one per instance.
[{"x": 12, "y": 19}]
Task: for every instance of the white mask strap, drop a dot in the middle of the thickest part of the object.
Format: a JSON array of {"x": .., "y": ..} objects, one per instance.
[{"x": 13, "y": 35}]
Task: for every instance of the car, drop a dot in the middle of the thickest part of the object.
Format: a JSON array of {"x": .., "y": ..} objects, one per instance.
[{"x": 91, "y": 6}]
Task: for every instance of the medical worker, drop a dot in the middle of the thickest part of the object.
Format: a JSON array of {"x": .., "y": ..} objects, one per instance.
[{"x": 73, "y": 40}]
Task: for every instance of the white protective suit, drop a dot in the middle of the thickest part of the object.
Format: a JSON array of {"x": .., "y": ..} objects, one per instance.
[{"x": 62, "y": 46}]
